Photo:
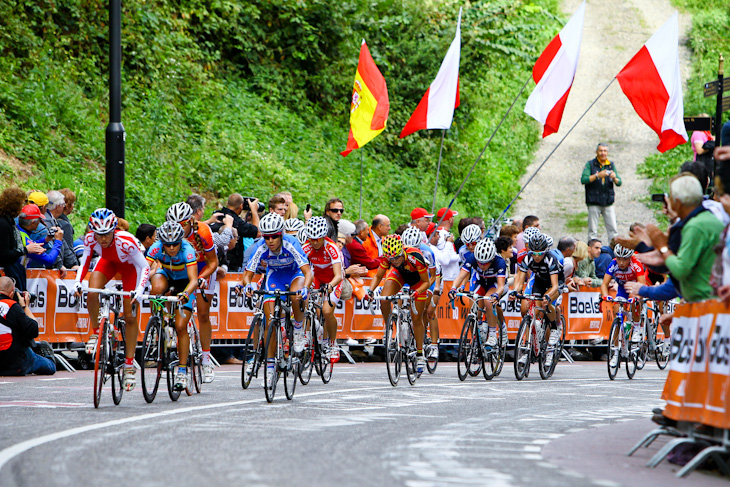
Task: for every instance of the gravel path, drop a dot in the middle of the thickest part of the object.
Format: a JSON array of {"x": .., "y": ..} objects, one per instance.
[{"x": 613, "y": 32}]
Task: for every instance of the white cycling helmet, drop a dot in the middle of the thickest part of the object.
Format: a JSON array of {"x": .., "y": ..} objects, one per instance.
[
  {"x": 179, "y": 212},
  {"x": 103, "y": 221},
  {"x": 550, "y": 241},
  {"x": 621, "y": 251},
  {"x": 271, "y": 223},
  {"x": 170, "y": 233},
  {"x": 302, "y": 235},
  {"x": 411, "y": 237},
  {"x": 539, "y": 242},
  {"x": 317, "y": 227},
  {"x": 293, "y": 225},
  {"x": 485, "y": 251},
  {"x": 528, "y": 234},
  {"x": 471, "y": 234}
]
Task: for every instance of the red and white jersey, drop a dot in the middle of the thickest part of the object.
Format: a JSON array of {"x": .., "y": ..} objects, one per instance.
[
  {"x": 630, "y": 274},
  {"x": 125, "y": 249},
  {"x": 323, "y": 259}
]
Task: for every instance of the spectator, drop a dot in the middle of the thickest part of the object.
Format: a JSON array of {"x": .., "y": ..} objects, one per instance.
[
  {"x": 690, "y": 267},
  {"x": 41, "y": 201},
  {"x": 507, "y": 252},
  {"x": 235, "y": 205},
  {"x": 527, "y": 222},
  {"x": 511, "y": 232},
  {"x": 604, "y": 259},
  {"x": 420, "y": 218},
  {"x": 379, "y": 229},
  {"x": 346, "y": 232},
  {"x": 292, "y": 210},
  {"x": 447, "y": 255},
  {"x": 333, "y": 211},
  {"x": 28, "y": 222},
  {"x": 566, "y": 246},
  {"x": 17, "y": 332},
  {"x": 12, "y": 247},
  {"x": 698, "y": 170},
  {"x": 448, "y": 218},
  {"x": 463, "y": 223},
  {"x": 54, "y": 209},
  {"x": 703, "y": 144},
  {"x": 358, "y": 254},
  {"x": 122, "y": 224},
  {"x": 147, "y": 234},
  {"x": 599, "y": 177},
  {"x": 585, "y": 268},
  {"x": 277, "y": 204},
  {"x": 69, "y": 199}
]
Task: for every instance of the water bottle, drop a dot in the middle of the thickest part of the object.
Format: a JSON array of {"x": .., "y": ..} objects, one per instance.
[
  {"x": 627, "y": 330},
  {"x": 285, "y": 338}
]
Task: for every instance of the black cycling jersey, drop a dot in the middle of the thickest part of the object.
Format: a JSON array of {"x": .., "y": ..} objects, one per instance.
[{"x": 542, "y": 270}]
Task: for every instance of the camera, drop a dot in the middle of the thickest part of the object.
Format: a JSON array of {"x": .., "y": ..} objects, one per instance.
[
  {"x": 31, "y": 297},
  {"x": 247, "y": 206},
  {"x": 658, "y": 197}
]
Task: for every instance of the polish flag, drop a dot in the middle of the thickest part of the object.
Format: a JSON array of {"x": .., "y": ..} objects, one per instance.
[
  {"x": 653, "y": 85},
  {"x": 436, "y": 108},
  {"x": 554, "y": 72}
]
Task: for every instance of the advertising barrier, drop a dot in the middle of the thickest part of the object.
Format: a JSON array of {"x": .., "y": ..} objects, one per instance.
[
  {"x": 63, "y": 318},
  {"x": 697, "y": 388}
]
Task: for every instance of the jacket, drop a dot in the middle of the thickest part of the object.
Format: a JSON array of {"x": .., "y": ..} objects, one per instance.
[
  {"x": 599, "y": 192},
  {"x": 16, "y": 332}
]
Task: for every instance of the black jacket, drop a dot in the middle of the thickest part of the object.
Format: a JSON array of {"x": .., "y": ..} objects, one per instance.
[
  {"x": 245, "y": 230},
  {"x": 11, "y": 245},
  {"x": 23, "y": 330},
  {"x": 600, "y": 192}
]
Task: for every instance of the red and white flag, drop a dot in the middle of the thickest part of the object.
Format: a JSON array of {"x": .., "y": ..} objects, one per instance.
[
  {"x": 652, "y": 82},
  {"x": 553, "y": 73},
  {"x": 436, "y": 108}
]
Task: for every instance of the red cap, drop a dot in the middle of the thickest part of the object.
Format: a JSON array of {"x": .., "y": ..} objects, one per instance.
[
  {"x": 420, "y": 213},
  {"x": 30, "y": 212},
  {"x": 430, "y": 229},
  {"x": 449, "y": 213}
]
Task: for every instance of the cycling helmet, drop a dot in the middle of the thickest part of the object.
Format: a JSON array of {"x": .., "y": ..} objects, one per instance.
[
  {"x": 471, "y": 234},
  {"x": 170, "y": 233},
  {"x": 392, "y": 246},
  {"x": 317, "y": 227},
  {"x": 621, "y": 251},
  {"x": 528, "y": 234},
  {"x": 485, "y": 251},
  {"x": 550, "y": 241},
  {"x": 271, "y": 223},
  {"x": 179, "y": 212},
  {"x": 293, "y": 225},
  {"x": 411, "y": 237},
  {"x": 102, "y": 221},
  {"x": 539, "y": 242},
  {"x": 302, "y": 235}
]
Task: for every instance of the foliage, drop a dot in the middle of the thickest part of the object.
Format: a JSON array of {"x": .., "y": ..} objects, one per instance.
[{"x": 223, "y": 96}]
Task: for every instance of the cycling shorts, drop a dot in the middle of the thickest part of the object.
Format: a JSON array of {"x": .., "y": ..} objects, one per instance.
[
  {"x": 280, "y": 281},
  {"x": 110, "y": 269},
  {"x": 541, "y": 288},
  {"x": 420, "y": 297},
  {"x": 179, "y": 286},
  {"x": 211, "y": 279},
  {"x": 481, "y": 287},
  {"x": 334, "y": 295},
  {"x": 621, "y": 292}
]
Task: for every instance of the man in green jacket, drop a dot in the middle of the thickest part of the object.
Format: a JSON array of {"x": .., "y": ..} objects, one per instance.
[
  {"x": 690, "y": 265},
  {"x": 599, "y": 178}
]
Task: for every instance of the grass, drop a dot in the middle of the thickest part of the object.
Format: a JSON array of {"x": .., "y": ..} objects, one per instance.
[{"x": 577, "y": 222}]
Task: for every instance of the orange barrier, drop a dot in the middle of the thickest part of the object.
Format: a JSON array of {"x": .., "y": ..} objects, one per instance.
[
  {"x": 62, "y": 318},
  {"x": 697, "y": 386}
]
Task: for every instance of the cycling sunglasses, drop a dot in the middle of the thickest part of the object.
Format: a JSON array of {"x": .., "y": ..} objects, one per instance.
[
  {"x": 171, "y": 245},
  {"x": 337, "y": 210},
  {"x": 272, "y": 237},
  {"x": 538, "y": 254}
]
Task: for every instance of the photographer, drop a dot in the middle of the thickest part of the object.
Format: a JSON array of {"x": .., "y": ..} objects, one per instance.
[
  {"x": 599, "y": 177},
  {"x": 28, "y": 221},
  {"x": 18, "y": 328},
  {"x": 235, "y": 206}
]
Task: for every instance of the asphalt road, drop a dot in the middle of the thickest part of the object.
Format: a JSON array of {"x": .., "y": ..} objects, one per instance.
[{"x": 357, "y": 430}]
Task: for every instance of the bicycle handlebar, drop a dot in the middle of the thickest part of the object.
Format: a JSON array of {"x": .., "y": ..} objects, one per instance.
[
  {"x": 107, "y": 292},
  {"x": 169, "y": 299}
]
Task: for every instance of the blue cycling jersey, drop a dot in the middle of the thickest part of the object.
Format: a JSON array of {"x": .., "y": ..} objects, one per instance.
[
  {"x": 289, "y": 259},
  {"x": 174, "y": 267}
]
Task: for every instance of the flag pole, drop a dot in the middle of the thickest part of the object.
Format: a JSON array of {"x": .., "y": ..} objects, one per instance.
[
  {"x": 362, "y": 157},
  {"x": 485, "y": 148},
  {"x": 438, "y": 169},
  {"x": 496, "y": 222}
]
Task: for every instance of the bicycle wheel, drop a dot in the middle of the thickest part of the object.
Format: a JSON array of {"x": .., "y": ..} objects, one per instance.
[
  {"x": 613, "y": 349},
  {"x": 306, "y": 363},
  {"x": 393, "y": 354},
  {"x": 431, "y": 361},
  {"x": 642, "y": 354},
  {"x": 151, "y": 359},
  {"x": 195, "y": 360},
  {"x": 632, "y": 359},
  {"x": 661, "y": 349},
  {"x": 272, "y": 333},
  {"x": 252, "y": 352},
  {"x": 291, "y": 367},
  {"x": 490, "y": 355},
  {"x": 463, "y": 355},
  {"x": 325, "y": 364},
  {"x": 411, "y": 353},
  {"x": 546, "y": 371},
  {"x": 172, "y": 361},
  {"x": 100, "y": 361},
  {"x": 117, "y": 361},
  {"x": 502, "y": 348},
  {"x": 523, "y": 349}
]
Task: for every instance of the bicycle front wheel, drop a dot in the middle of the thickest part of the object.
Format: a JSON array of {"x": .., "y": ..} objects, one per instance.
[
  {"x": 661, "y": 349},
  {"x": 432, "y": 360},
  {"x": 613, "y": 349},
  {"x": 117, "y": 360},
  {"x": 307, "y": 360},
  {"x": 291, "y": 365},
  {"x": 523, "y": 349},
  {"x": 252, "y": 352},
  {"x": 411, "y": 354},
  {"x": 151, "y": 359},
  {"x": 270, "y": 378},
  {"x": 464, "y": 353},
  {"x": 195, "y": 359},
  {"x": 549, "y": 357},
  {"x": 392, "y": 349},
  {"x": 490, "y": 355},
  {"x": 632, "y": 358},
  {"x": 325, "y": 364},
  {"x": 100, "y": 361}
]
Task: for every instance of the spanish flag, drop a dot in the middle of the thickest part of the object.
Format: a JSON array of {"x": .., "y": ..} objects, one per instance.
[{"x": 370, "y": 106}]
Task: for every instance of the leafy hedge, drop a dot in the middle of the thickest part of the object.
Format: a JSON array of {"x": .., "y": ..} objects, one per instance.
[{"x": 222, "y": 96}]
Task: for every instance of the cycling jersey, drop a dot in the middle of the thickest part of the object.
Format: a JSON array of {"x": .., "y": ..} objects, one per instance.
[
  {"x": 622, "y": 276},
  {"x": 283, "y": 267},
  {"x": 173, "y": 267},
  {"x": 323, "y": 260},
  {"x": 483, "y": 280},
  {"x": 125, "y": 256},
  {"x": 542, "y": 270},
  {"x": 204, "y": 244},
  {"x": 411, "y": 271}
]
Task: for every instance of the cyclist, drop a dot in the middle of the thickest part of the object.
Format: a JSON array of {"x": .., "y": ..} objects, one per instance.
[
  {"x": 287, "y": 269},
  {"x": 624, "y": 268},
  {"x": 293, "y": 225},
  {"x": 403, "y": 266},
  {"x": 470, "y": 236},
  {"x": 412, "y": 238},
  {"x": 121, "y": 253},
  {"x": 548, "y": 280},
  {"x": 201, "y": 238},
  {"x": 176, "y": 265},
  {"x": 326, "y": 260},
  {"x": 488, "y": 272}
]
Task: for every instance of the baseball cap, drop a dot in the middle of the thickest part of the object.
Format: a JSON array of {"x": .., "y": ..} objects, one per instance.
[
  {"x": 420, "y": 213},
  {"x": 38, "y": 198},
  {"x": 31, "y": 212},
  {"x": 430, "y": 229},
  {"x": 449, "y": 213}
]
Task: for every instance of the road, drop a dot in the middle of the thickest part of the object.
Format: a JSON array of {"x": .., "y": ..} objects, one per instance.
[{"x": 357, "y": 430}]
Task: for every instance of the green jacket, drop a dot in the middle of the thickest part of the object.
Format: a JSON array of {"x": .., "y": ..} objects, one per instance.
[
  {"x": 692, "y": 265},
  {"x": 587, "y": 268}
]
